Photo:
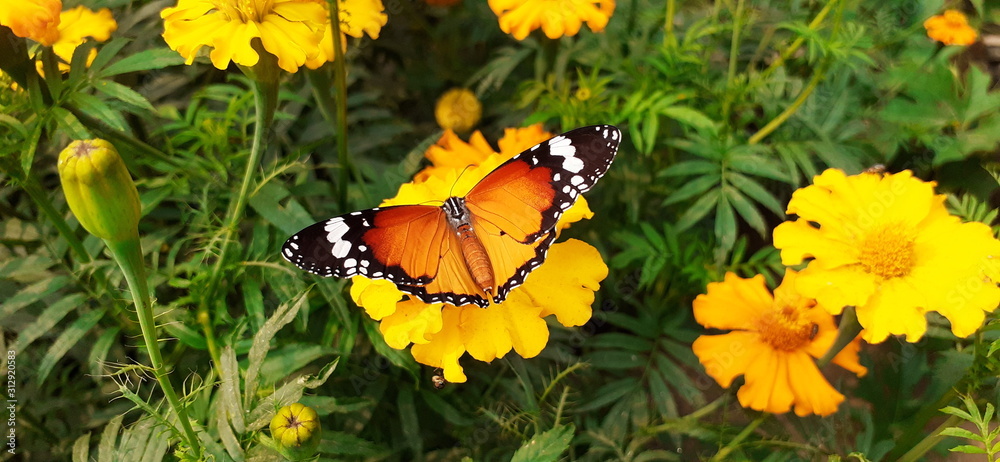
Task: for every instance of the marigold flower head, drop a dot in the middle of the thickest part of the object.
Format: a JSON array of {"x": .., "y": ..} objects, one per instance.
[
  {"x": 885, "y": 244},
  {"x": 772, "y": 342},
  {"x": 288, "y": 29},
  {"x": 441, "y": 333},
  {"x": 357, "y": 17},
  {"x": 76, "y": 26},
  {"x": 950, "y": 28},
  {"x": 37, "y": 20},
  {"x": 556, "y": 18},
  {"x": 458, "y": 109}
]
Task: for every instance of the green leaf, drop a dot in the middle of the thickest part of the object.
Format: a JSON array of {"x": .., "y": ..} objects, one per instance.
[
  {"x": 229, "y": 391},
  {"x": 31, "y": 294},
  {"x": 725, "y": 224},
  {"x": 47, "y": 320},
  {"x": 262, "y": 342},
  {"x": 99, "y": 352},
  {"x": 614, "y": 359},
  {"x": 968, "y": 449},
  {"x": 124, "y": 94},
  {"x": 409, "y": 422},
  {"x": 81, "y": 448},
  {"x": 756, "y": 192},
  {"x": 694, "y": 187},
  {"x": 105, "y": 452},
  {"x": 146, "y": 60},
  {"x": 67, "y": 340},
  {"x": 186, "y": 335},
  {"x": 698, "y": 210},
  {"x": 94, "y": 107},
  {"x": 746, "y": 210},
  {"x": 689, "y": 167},
  {"x": 106, "y": 53},
  {"x": 546, "y": 447},
  {"x": 960, "y": 433},
  {"x": 691, "y": 117},
  {"x": 345, "y": 444},
  {"x": 289, "y": 358}
]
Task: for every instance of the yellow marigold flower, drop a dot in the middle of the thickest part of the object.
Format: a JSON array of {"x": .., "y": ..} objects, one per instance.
[
  {"x": 950, "y": 28},
  {"x": 442, "y": 333},
  {"x": 886, "y": 245},
  {"x": 76, "y": 26},
  {"x": 556, "y": 18},
  {"x": 772, "y": 342},
  {"x": 458, "y": 109},
  {"x": 99, "y": 190},
  {"x": 288, "y": 29},
  {"x": 357, "y": 17},
  {"x": 296, "y": 430},
  {"x": 34, "y": 19}
]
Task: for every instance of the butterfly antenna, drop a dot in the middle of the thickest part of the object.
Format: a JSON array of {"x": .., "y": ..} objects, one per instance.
[{"x": 451, "y": 192}]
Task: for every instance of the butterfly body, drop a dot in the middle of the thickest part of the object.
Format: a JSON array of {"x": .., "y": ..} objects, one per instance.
[{"x": 472, "y": 249}]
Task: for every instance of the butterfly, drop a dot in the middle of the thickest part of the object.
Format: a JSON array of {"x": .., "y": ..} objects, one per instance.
[{"x": 472, "y": 249}]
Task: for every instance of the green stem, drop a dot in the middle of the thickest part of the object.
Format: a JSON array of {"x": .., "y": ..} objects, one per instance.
[
  {"x": 669, "y": 39},
  {"x": 265, "y": 100},
  {"x": 128, "y": 254},
  {"x": 340, "y": 79},
  {"x": 849, "y": 329},
  {"x": 695, "y": 416},
  {"x": 794, "y": 46},
  {"x": 914, "y": 436},
  {"x": 723, "y": 454},
  {"x": 791, "y": 109},
  {"x": 734, "y": 50},
  {"x": 917, "y": 452}
]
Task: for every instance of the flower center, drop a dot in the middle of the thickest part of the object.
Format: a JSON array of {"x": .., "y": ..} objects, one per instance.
[
  {"x": 784, "y": 329},
  {"x": 244, "y": 10},
  {"x": 888, "y": 252}
]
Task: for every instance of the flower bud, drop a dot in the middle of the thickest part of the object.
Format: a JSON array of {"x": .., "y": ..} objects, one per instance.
[
  {"x": 99, "y": 190},
  {"x": 458, "y": 110},
  {"x": 296, "y": 430}
]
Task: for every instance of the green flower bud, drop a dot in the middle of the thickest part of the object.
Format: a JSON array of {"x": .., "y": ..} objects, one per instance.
[
  {"x": 99, "y": 190},
  {"x": 296, "y": 430}
]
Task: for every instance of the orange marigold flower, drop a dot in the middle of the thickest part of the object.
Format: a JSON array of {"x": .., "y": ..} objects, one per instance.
[
  {"x": 556, "y": 18},
  {"x": 772, "y": 342},
  {"x": 886, "y": 244},
  {"x": 34, "y": 19},
  {"x": 950, "y": 28}
]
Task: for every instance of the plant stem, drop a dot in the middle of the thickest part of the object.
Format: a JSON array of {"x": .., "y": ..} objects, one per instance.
[
  {"x": 932, "y": 439},
  {"x": 849, "y": 329},
  {"x": 724, "y": 452},
  {"x": 794, "y": 46},
  {"x": 265, "y": 100},
  {"x": 734, "y": 51},
  {"x": 128, "y": 254},
  {"x": 340, "y": 79},
  {"x": 791, "y": 109},
  {"x": 669, "y": 39}
]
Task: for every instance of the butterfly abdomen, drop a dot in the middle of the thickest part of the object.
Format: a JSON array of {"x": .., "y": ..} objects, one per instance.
[{"x": 473, "y": 251}]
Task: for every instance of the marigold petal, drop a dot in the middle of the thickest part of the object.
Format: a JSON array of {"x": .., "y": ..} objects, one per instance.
[
  {"x": 291, "y": 42},
  {"x": 412, "y": 322},
  {"x": 734, "y": 303},
  {"x": 37, "y": 20},
  {"x": 378, "y": 297},
  {"x": 893, "y": 310},
  {"x": 565, "y": 284},
  {"x": 726, "y": 356},
  {"x": 799, "y": 240},
  {"x": 836, "y": 288},
  {"x": 767, "y": 386},
  {"x": 445, "y": 347},
  {"x": 812, "y": 393}
]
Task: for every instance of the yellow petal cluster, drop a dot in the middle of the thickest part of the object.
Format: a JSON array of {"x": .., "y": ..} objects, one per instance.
[
  {"x": 76, "y": 26},
  {"x": 950, "y": 28},
  {"x": 885, "y": 244},
  {"x": 458, "y": 110},
  {"x": 297, "y": 431},
  {"x": 37, "y": 20},
  {"x": 772, "y": 342},
  {"x": 357, "y": 17},
  {"x": 556, "y": 18},
  {"x": 288, "y": 29},
  {"x": 441, "y": 334}
]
